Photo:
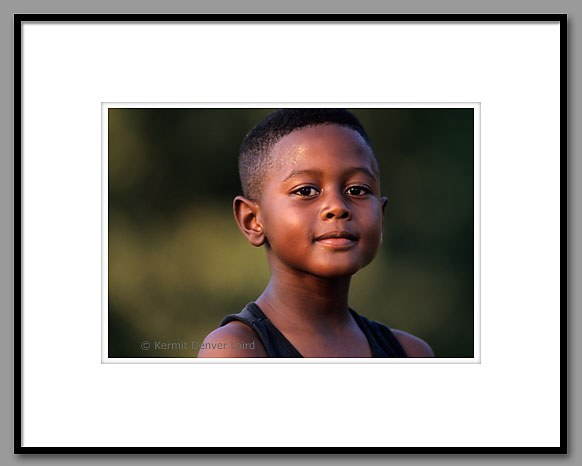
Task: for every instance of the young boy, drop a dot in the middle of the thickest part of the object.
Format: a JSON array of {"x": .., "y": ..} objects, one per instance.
[{"x": 311, "y": 190}]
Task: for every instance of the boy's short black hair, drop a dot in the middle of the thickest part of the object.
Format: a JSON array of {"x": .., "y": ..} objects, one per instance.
[{"x": 255, "y": 150}]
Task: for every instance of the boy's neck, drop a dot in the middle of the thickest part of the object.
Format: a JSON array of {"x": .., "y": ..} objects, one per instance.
[{"x": 294, "y": 300}]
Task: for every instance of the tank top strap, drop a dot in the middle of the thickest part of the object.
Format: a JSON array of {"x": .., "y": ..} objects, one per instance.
[
  {"x": 275, "y": 343},
  {"x": 383, "y": 342}
]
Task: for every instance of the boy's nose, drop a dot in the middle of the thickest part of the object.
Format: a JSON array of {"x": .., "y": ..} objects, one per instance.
[{"x": 335, "y": 208}]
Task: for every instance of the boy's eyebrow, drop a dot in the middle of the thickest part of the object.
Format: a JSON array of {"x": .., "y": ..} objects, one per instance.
[
  {"x": 363, "y": 170},
  {"x": 351, "y": 171},
  {"x": 303, "y": 172}
]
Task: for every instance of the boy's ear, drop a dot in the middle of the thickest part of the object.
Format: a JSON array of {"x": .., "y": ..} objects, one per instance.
[
  {"x": 246, "y": 213},
  {"x": 384, "y": 201}
]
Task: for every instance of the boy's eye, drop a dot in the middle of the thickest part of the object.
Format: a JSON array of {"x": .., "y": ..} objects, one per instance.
[
  {"x": 357, "y": 191},
  {"x": 305, "y": 191}
]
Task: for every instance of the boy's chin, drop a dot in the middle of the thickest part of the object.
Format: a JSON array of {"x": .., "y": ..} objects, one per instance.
[
  {"x": 326, "y": 268},
  {"x": 336, "y": 271}
]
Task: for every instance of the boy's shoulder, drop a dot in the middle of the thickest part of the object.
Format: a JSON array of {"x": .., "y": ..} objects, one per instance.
[
  {"x": 413, "y": 346},
  {"x": 233, "y": 340}
]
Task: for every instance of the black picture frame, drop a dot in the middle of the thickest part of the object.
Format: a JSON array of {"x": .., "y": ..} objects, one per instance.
[{"x": 20, "y": 19}]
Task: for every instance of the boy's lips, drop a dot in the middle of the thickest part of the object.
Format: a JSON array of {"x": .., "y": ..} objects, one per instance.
[{"x": 337, "y": 239}]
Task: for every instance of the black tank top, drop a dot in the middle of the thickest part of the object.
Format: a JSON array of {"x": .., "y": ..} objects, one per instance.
[{"x": 382, "y": 341}]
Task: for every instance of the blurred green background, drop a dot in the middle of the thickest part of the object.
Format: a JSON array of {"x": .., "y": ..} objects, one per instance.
[{"x": 178, "y": 263}]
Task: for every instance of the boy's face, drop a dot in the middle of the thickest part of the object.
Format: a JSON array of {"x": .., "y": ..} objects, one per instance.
[{"x": 320, "y": 207}]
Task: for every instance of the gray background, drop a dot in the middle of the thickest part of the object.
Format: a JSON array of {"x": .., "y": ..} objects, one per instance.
[{"x": 9, "y": 7}]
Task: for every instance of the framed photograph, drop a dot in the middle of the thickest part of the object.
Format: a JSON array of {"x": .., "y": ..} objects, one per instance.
[
  {"x": 361, "y": 215},
  {"x": 179, "y": 243}
]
